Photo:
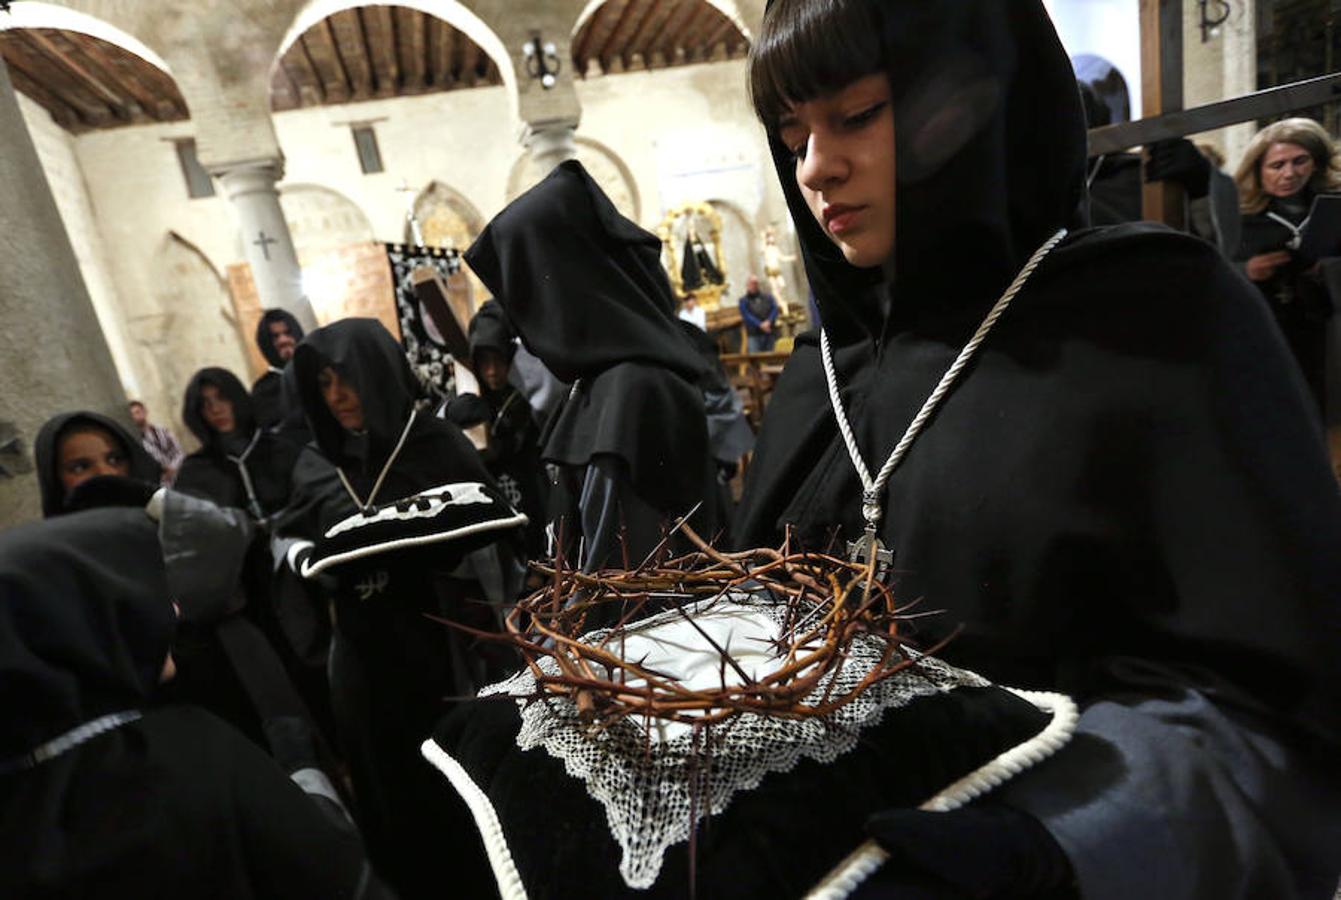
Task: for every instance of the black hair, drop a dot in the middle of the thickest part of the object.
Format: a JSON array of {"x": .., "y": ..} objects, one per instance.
[
  {"x": 811, "y": 48},
  {"x": 138, "y": 403}
]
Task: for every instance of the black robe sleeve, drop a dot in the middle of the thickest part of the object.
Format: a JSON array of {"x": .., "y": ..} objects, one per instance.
[{"x": 1204, "y": 765}]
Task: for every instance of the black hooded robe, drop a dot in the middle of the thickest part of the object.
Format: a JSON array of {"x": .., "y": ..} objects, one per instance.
[
  {"x": 393, "y": 671},
  {"x": 143, "y": 468},
  {"x": 275, "y": 410},
  {"x": 1125, "y": 499},
  {"x": 163, "y": 803},
  {"x": 513, "y": 453},
  {"x": 585, "y": 290},
  {"x": 1301, "y": 301}
]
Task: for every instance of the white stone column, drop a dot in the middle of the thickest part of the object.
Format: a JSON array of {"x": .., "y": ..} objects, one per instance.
[
  {"x": 52, "y": 349},
  {"x": 265, "y": 235},
  {"x": 551, "y": 142}
]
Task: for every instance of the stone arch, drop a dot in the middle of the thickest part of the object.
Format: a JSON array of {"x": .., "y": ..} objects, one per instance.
[
  {"x": 194, "y": 325},
  {"x": 605, "y": 165},
  {"x": 34, "y": 14},
  {"x": 454, "y": 12},
  {"x": 322, "y": 220},
  {"x": 727, "y": 8},
  {"x": 446, "y": 217}
]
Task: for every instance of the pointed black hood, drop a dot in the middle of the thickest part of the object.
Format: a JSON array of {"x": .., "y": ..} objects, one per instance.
[
  {"x": 368, "y": 357},
  {"x": 142, "y": 465},
  {"x": 244, "y": 416},
  {"x": 266, "y": 344},
  {"x": 991, "y": 152},
  {"x": 85, "y": 623},
  {"x": 582, "y": 284}
]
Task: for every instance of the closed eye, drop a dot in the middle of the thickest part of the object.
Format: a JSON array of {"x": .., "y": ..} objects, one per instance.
[{"x": 866, "y": 116}]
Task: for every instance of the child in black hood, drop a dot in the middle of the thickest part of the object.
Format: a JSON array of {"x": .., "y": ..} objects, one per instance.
[
  {"x": 100, "y": 795},
  {"x": 239, "y": 463},
  {"x": 392, "y": 668},
  {"x": 74, "y": 447},
  {"x": 1123, "y": 496},
  {"x": 513, "y": 451}
]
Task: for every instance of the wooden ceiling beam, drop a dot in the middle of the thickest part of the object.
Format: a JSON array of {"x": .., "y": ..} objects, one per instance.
[
  {"x": 610, "y": 42},
  {"x": 723, "y": 29},
  {"x": 319, "y": 42},
  {"x": 438, "y": 63},
  {"x": 48, "y": 44},
  {"x": 63, "y": 114},
  {"x": 460, "y": 46},
  {"x": 657, "y": 11},
  {"x": 470, "y": 62},
  {"x": 665, "y": 43},
  {"x": 582, "y": 43},
  {"x": 410, "y": 48},
  {"x": 677, "y": 38},
  {"x": 20, "y": 51},
  {"x": 152, "y": 93},
  {"x": 380, "y": 29},
  {"x": 352, "y": 47},
  {"x": 298, "y": 66}
]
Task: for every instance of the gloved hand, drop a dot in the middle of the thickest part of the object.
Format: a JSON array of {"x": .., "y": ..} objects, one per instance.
[
  {"x": 109, "y": 490},
  {"x": 1178, "y": 159},
  {"x": 975, "y": 851},
  {"x": 469, "y": 410}
]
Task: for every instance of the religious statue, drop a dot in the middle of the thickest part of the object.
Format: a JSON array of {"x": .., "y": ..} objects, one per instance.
[
  {"x": 774, "y": 259},
  {"x": 698, "y": 268}
]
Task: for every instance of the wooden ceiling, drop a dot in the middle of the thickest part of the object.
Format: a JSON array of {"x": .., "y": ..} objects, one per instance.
[
  {"x": 377, "y": 51},
  {"x": 632, "y": 34},
  {"x": 87, "y": 83}
]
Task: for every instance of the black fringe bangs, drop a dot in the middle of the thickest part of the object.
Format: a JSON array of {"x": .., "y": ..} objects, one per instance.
[{"x": 811, "y": 48}]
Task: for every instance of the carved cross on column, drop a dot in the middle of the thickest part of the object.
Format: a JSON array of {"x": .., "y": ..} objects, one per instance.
[{"x": 264, "y": 242}]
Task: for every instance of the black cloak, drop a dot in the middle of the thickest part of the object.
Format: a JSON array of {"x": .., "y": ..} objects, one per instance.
[
  {"x": 271, "y": 404},
  {"x": 393, "y": 671},
  {"x": 216, "y": 470},
  {"x": 513, "y": 453},
  {"x": 1302, "y": 301},
  {"x": 585, "y": 290},
  {"x": 143, "y": 468},
  {"x": 1125, "y": 498},
  {"x": 149, "y": 804}
]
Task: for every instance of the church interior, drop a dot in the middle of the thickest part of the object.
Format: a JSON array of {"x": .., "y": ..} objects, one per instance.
[{"x": 189, "y": 188}]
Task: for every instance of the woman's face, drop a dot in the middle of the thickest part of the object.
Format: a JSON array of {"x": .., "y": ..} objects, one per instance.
[
  {"x": 341, "y": 399},
  {"x": 216, "y": 410},
  {"x": 844, "y": 150},
  {"x": 1286, "y": 169},
  {"x": 89, "y": 453}
]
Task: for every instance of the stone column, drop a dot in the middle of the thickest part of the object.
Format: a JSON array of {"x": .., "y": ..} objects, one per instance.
[
  {"x": 265, "y": 235},
  {"x": 52, "y": 349},
  {"x": 550, "y": 142}
]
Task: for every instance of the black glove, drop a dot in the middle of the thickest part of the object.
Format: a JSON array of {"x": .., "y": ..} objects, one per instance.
[
  {"x": 975, "y": 851},
  {"x": 109, "y": 490},
  {"x": 469, "y": 410},
  {"x": 1177, "y": 159}
]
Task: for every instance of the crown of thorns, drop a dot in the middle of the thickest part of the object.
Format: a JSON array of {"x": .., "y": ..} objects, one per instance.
[{"x": 827, "y": 603}]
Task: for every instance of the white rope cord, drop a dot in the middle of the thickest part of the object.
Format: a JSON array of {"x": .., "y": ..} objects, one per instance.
[
  {"x": 241, "y": 462},
  {"x": 390, "y": 461},
  {"x": 874, "y": 487},
  {"x": 1297, "y": 230}
]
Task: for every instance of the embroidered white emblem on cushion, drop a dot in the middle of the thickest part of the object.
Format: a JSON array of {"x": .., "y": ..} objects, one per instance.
[{"x": 426, "y": 505}]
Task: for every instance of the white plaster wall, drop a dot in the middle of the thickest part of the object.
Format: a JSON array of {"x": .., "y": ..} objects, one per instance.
[{"x": 55, "y": 148}]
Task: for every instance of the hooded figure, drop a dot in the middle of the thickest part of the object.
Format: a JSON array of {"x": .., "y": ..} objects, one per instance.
[
  {"x": 101, "y": 795},
  {"x": 248, "y": 468},
  {"x": 392, "y": 669},
  {"x": 586, "y": 292},
  {"x": 139, "y": 465},
  {"x": 1123, "y": 498},
  {"x": 513, "y": 452},
  {"x": 274, "y": 407}
]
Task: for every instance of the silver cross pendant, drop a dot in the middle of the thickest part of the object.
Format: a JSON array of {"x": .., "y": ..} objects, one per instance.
[{"x": 862, "y": 551}]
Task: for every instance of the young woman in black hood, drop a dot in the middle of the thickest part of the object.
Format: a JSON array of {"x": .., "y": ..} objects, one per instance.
[
  {"x": 239, "y": 463},
  {"x": 1122, "y": 496},
  {"x": 101, "y": 795},
  {"x": 278, "y": 334},
  {"x": 586, "y": 292},
  {"x": 375, "y": 491}
]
